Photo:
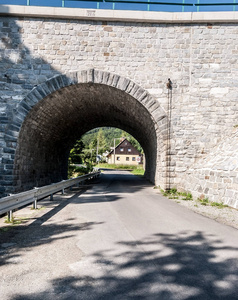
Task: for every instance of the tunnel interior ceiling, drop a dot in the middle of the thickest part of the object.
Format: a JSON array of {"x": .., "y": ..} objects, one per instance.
[
  {"x": 57, "y": 121},
  {"x": 66, "y": 115}
]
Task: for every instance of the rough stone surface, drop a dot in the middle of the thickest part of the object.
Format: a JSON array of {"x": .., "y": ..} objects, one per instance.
[
  {"x": 43, "y": 59},
  {"x": 216, "y": 176}
]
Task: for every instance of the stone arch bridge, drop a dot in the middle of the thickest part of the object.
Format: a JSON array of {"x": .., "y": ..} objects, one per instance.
[{"x": 66, "y": 71}]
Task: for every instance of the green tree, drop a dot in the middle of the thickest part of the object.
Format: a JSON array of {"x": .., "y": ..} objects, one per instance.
[
  {"x": 89, "y": 157},
  {"x": 101, "y": 142},
  {"x": 76, "y": 152}
]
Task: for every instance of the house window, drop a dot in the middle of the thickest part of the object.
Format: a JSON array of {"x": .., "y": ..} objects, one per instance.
[
  {"x": 133, "y": 159},
  {"x": 118, "y": 158},
  {"x": 129, "y": 149},
  {"x": 127, "y": 158},
  {"x": 121, "y": 149}
]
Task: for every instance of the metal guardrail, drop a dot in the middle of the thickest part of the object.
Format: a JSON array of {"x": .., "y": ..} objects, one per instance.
[
  {"x": 149, "y": 5},
  {"x": 9, "y": 203}
]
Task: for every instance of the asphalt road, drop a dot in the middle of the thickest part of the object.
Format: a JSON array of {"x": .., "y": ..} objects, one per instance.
[{"x": 118, "y": 239}]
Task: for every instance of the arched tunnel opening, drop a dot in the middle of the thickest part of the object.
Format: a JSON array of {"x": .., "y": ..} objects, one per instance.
[{"x": 57, "y": 121}]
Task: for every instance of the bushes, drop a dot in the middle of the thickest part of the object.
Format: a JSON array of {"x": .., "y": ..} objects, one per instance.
[{"x": 75, "y": 171}]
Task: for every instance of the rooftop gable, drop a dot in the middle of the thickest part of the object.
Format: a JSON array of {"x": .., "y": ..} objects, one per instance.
[{"x": 125, "y": 148}]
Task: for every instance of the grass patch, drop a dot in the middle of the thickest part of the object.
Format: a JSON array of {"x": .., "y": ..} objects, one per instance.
[
  {"x": 219, "y": 205},
  {"x": 188, "y": 197},
  {"x": 156, "y": 187},
  {"x": 173, "y": 197},
  {"x": 138, "y": 172},
  {"x": 118, "y": 167},
  {"x": 135, "y": 169},
  {"x": 204, "y": 201},
  {"x": 174, "y": 194},
  {"x": 16, "y": 221},
  {"x": 38, "y": 208}
]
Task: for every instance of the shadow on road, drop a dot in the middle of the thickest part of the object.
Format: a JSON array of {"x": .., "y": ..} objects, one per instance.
[
  {"x": 188, "y": 265},
  {"x": 124, "y": 181},
  {"x": 40, "y": 232},
  {"x": 18, "y": 237}
]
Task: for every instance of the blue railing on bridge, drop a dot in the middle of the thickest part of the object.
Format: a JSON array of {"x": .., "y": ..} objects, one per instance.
[{"x": 149, "y": 5}]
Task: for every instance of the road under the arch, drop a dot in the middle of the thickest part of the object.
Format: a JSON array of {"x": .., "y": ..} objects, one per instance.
[{"x": 119, "y": 239}]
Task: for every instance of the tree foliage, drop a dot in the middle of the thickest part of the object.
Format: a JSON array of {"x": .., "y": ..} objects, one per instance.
[{"x": 75, "y": 152}]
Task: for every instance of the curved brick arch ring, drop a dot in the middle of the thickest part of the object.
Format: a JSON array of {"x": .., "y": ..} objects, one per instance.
[
  {"x": 98, "y": 77},
  {"x": 93, "y": 76}
]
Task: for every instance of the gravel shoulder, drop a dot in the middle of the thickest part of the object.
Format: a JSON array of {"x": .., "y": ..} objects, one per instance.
[{"x": 225, "y": 215}]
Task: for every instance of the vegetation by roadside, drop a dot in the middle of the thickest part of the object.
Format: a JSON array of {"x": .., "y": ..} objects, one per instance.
[
  {"x": 136, "y": 170},
  {"x": 75, "y": 171},
  {"x": 15, "y": 222},
  {"x": 174, "y": 194},
  {"x": 116, "y": 166}
]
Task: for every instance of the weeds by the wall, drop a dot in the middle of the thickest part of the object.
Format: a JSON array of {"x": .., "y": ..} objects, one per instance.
[
  {"x": 186, "y": 196},
  {"x": 174, "y": 194}
]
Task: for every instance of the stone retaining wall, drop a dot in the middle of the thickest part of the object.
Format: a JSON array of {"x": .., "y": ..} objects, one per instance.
[{"x": 216, "y": 176}]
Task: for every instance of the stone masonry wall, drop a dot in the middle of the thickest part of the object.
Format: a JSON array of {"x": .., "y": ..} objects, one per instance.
[
  {"x": 216, "y": 176},
  {"x": 200, "y": 59}
]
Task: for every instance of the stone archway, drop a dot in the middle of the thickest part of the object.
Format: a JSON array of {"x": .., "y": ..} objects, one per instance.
[{"x": 56, "y": 113}]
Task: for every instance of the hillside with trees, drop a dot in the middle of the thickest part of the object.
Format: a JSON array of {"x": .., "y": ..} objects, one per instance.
[{"x": 97, "y": 142}]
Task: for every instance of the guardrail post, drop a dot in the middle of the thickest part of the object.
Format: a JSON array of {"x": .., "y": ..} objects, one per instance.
[
  {"x": 10, "y": 216},
  {"x": 51, "y": 197},
  {"x": 62, "y": 191},
  {"x": 35, "y": 204}
]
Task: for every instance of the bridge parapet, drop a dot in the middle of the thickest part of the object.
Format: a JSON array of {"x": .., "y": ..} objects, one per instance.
[{"x": 122, "y": 16}]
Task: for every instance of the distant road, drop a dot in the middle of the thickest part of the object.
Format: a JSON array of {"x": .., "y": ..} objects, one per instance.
[{"x": 119, "y": 239}]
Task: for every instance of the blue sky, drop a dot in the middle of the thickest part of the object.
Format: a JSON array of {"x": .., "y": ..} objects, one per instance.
[{"x": 136, "y": 6}]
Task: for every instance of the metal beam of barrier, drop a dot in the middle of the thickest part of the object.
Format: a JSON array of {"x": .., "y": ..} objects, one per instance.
[{"x": 12, "y": 202}]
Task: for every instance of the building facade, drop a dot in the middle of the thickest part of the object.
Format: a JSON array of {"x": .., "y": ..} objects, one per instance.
[{"x": 125, "y": 154}]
